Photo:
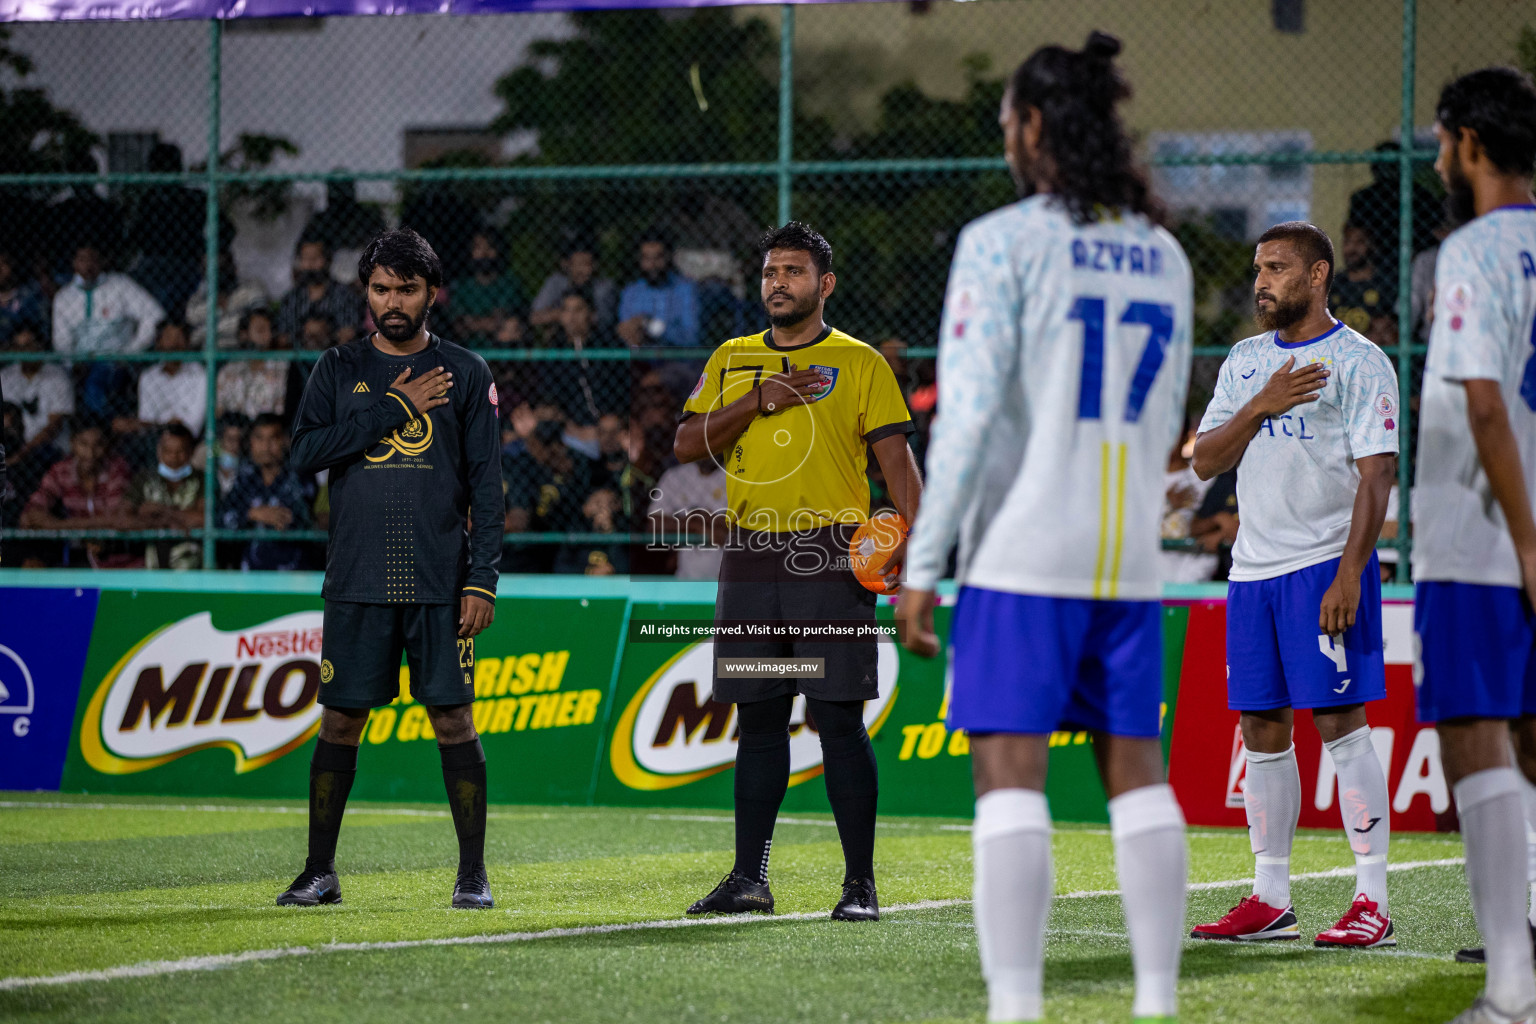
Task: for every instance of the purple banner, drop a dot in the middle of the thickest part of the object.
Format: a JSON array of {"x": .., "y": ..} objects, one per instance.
[{"x": 168, "y": 10}]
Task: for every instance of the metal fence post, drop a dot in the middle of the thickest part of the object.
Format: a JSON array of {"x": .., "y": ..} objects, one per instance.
[
  {"x": 786, "y": 106},
  {"x": 1405, "y": 325},
  {"x": 211, "y": 286}
]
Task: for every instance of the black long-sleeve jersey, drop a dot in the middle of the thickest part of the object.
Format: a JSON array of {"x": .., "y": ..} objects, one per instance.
[{"x": 401, "y": 483}]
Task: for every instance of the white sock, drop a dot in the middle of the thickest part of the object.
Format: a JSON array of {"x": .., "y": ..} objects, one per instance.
[
  {"x": 1272, "y": 796},
  {"x": 1012, "y": 843},
  {"x": 1365, "y": 806},
  {"x": 1528, "y": 797},
  {"x": 1152, "y": 859},
  {"x": 1493, "y": 828}
]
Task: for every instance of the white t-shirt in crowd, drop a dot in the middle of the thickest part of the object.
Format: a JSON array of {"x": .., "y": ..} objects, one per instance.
[
  {"x": 1185, "y": 566},
  {"x": 684, "y": 489},
  {"x": 47, "y": 393},
  {"x": 180, "y": 396}
]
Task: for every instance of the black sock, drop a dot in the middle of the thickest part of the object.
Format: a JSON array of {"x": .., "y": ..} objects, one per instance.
[
  {"x": 853, "y": 785},
  {"x": 331, "y": 772},
  {"x": 464, "y": 776},
  {"x": 762, "y": 776}
]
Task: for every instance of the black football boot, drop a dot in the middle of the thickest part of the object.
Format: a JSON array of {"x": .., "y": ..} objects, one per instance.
[
  {"x": 472, "y": 890},
  {"x": 858, "y": 902},
  {"x": 312, "y": 888},
  {"x": 736, "y": 894}
]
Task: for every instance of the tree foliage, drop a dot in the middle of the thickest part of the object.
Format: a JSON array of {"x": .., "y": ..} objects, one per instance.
[{"x": 37, "y": 137}]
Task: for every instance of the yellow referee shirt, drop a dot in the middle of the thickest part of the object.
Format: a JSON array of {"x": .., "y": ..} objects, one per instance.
[{"x": 804, "y": 466}]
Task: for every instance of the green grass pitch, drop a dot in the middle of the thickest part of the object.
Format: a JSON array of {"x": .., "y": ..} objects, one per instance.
[{"x": 89, "y": 886}]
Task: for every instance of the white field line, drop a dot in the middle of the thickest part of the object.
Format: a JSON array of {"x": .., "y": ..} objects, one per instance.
[
  {"x": 156, "y": 968},
  {"x": 395, "y": 812},
  {"x": 1431, "y": 837},
  {"x": 725, "y": 819}
]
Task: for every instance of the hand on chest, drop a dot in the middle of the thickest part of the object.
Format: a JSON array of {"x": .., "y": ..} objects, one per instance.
[
  {"x": 1320, "y": 419},
  {"x": 412, "y": 441}
]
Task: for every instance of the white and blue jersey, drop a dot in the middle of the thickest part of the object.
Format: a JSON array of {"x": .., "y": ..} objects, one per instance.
[
  {"x": 1297, "y": 479},
  {"x": 1063, "y": 365},
  {"x": 1476, "y": 636},
  {"x": 1296, "y": 487}
]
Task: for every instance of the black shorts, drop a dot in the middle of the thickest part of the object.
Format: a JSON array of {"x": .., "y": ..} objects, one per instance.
[
  {"x": 361, "y": 647},
  {"x": 806, "y": 578}
]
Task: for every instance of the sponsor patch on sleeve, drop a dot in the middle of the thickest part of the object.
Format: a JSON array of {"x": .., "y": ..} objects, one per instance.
[
  {"x": 493, "y": 394},
  {"x": 698, "y": 387},
  {"x": 1458, "y": 296}
]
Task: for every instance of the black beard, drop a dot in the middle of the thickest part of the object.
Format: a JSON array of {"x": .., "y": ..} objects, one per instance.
[
  {"x": 795, "y": 316},
  {"x": 401, "y": 333},
  {"x": 1460, "y": 203},
  {"x": 1284, "y": 314},
  {"x": 1022, "y": 183}
]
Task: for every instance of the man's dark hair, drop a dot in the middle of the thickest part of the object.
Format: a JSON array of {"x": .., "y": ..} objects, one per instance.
[
  {"x": 1499, "y": 104},
  {"x": 269, "y": 419},
  {"x": 798, "y": 237},
  {"x": 86, "y": 421},
  {"x": 403, "y": 253},
  {"x": 573, "y": 242},
  {"x": 176, "y": 323},
  {"x": 233, "y": 419},
  {"x": 307, "y": 239},
  {"x": 32, "y": 327},
  {"x": 253, "y": 313},
  {"x": 1076, "y": 92},
  {"x": 319, "y": 316},
  {"x": 575, "y": 293},
  {"x": 181, "y": 433},
  {"x": 658, "y": 235},
  {"x": 1310, "y": 240}
]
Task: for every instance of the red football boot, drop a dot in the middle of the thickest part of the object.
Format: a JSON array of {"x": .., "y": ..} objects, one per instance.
[
  {"x": 1364, "y": 927},
  {"x": 1252, "y": 921}
]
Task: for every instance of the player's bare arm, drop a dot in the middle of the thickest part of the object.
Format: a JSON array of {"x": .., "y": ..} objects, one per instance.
[
  {"x": 914, "y": 615},
  {"x": 1500, "y": 458},
  {"x": 899, "y": 467},
  {"x": 1219, "y": 450},
  {"x": 1342, "y": 599},
  {"x": 475, "y": 614},
  {"x": 701, "y": 436}
]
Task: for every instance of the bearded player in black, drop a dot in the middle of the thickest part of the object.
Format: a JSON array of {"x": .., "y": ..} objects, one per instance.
[{"x": 406, "y": 423}]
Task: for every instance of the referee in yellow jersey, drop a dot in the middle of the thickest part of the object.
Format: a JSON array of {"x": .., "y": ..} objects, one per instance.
[{"x": 790, "y": 415}]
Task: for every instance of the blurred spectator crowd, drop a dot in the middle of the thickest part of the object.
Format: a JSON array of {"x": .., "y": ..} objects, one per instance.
[{"x": 97, "y": 441}]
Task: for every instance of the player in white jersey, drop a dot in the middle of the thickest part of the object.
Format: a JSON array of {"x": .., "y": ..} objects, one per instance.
[
  {"x": 1315, "y": 448},
  {"x": 1063, "y": 365},
  {"x": 1474, "y": 552}
]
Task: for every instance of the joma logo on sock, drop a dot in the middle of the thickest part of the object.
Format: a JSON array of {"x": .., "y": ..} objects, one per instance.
[{"x": 191, "y": 686}]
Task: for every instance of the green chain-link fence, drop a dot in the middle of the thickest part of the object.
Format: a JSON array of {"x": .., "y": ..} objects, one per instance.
[{"x": 544, "y": 155}]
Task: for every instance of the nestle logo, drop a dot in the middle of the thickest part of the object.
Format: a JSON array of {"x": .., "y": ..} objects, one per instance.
[{"x": 278, "y": 644}]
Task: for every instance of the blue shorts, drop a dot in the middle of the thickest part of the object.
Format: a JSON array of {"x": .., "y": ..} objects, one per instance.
[
  {"x": 1278, "y": 658},
  {"x": 1030, "y": 664},
  {"x": 1476, "y": 657}
]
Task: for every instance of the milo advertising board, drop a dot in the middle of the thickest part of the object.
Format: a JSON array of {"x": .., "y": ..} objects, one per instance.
[
  {"x": 671, "y": 745},
  {"x": 217, "y": 694},
  {"x": 207, "y": 692}
]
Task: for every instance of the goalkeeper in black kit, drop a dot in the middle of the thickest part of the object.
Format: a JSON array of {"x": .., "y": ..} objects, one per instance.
[{"x": 406, "y": 424}]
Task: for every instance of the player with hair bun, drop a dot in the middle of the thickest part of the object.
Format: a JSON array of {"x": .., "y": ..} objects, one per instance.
[{"x": 1064, "y": 360}]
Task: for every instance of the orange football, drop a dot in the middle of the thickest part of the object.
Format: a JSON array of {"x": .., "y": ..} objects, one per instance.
[{"x": 872, "y": 545}]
